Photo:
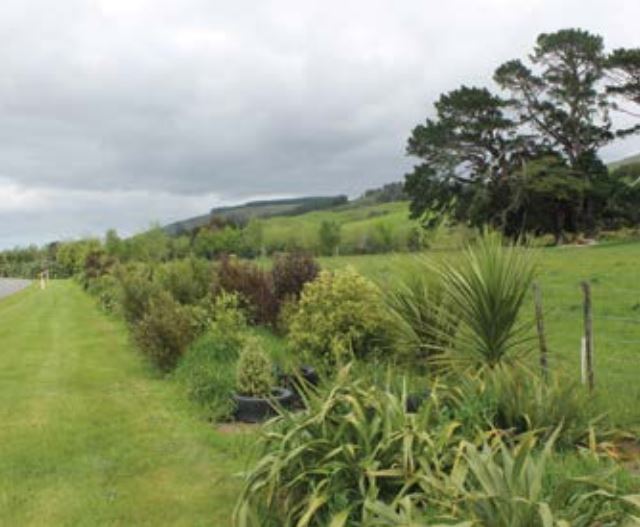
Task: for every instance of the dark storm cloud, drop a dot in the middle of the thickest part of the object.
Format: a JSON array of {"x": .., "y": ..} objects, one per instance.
[{"x": 119, "y": 112}]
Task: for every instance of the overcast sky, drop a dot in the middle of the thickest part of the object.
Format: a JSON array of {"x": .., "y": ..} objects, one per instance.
[{"x": 119, "y": 113}]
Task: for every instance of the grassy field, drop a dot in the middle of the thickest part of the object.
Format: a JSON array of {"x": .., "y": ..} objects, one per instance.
[
  {"x": 358, "y": 223},
  {"x": 614, "y": 274},
  {"x": 88, "y": 436}
]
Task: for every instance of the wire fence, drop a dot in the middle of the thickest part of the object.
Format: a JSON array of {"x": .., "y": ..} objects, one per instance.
[{"x": 615, "y": 328}]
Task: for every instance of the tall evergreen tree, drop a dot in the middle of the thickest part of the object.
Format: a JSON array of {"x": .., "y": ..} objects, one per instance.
[
  {"x": 529, "y": 162},
  {"x": 561, "y": 95},
  {"x": 467, "y": 150},
  {"x": 623, "y": 71}
]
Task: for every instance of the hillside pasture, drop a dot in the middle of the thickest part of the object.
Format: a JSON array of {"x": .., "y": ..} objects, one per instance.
[{"x": 365, "y": 228}]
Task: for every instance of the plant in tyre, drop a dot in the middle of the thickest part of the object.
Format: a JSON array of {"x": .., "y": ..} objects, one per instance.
[
  {"x": 208, "y": 369},
  {"x": 257, "y": 397},
  {"x": 254, "y": 374}
]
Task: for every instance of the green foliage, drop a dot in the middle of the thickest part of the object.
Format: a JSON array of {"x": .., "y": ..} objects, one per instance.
[
  {"x": 472, "y": 131},
  {"x": 254, "y": 375},
  {"x": 97, "y": 263},
  {"x": 416, "y": 239},
  {"x": 485, "y": 290},
  {"x": 165, "y": 331},
  {"x": 356, "y": 457},
  {"x": 136, "y": 289},
  {"x": 329, "y": 236},
  {"x": 527, "y": 161},
  {"x": 354, "y": 445},
  {"x": 150, "y": 246},
  {"x": 71, "y": 256},
  {"x": 207, "y": 371},
  {"x": 106, "y": 289},
  {"x": 339, "y": 314},
  {"x": 188, "y": 280},
  {"x": 113, "y": 244},
  {"x": 415, "y": 298},
  {"x": 517, "y": 400},
  {"x": 382, "y": 239},
  {"x": 504, "y": 488},
  {"x": 623, "y": 66},
  {"x": 561, "y": 96},
  {"x": 214, "y": 242},
  {"x": 253, "y": 235}
]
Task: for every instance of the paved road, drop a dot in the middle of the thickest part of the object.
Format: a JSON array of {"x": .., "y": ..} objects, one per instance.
[{"x": 8, "y": 286}]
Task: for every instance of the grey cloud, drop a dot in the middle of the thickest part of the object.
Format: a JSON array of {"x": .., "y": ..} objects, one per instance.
[{"x": 184, "y": 99}]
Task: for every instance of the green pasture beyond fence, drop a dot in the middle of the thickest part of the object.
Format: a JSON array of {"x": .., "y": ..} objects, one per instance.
[{"x": 614, "y": 277}]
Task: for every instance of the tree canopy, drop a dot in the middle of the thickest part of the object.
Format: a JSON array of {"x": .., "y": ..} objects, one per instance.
[{"x": 525, "y": 159}]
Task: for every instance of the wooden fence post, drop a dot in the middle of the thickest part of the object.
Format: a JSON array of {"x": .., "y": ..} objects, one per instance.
[
  {"x": 537, "y": 298},
  {"x": 588, "y": 334}
]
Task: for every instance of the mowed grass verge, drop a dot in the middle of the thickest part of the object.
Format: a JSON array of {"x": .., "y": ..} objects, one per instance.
[
  {"x": 614, "y": 274},
  {"x": 88, "y": 436}
]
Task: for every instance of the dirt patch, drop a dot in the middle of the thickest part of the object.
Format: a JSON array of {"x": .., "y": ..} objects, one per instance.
[
  {"x": 628, "y": 453},
  {"x": 237, "y": 428}
]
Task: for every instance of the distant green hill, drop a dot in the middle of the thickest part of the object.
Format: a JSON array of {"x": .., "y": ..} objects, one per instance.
[
  {"x": 241, "y": 214},
  {"x": 626, "y": 161}
]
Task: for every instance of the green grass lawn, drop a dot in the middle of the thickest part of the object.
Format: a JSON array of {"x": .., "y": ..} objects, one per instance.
[
  {"x": 88, "y": 436},
  {"x": 614, "y": 272}
]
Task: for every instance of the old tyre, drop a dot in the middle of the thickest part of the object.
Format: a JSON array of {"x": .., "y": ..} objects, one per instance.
[{"x": 257, "y": 409}]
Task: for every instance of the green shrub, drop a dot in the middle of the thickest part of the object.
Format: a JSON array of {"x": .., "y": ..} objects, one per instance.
[
  {"x": 340, "y": 313},
  {"x": 188, "y": 280},
  {"x": 416, "y": 239},
  {"x": 254, "y": 376},
  {"x": 136, "y": 289},
  {"x": 329, "y": 236},
  {"x": 165, "y": 331},
  {"x": 485, "y": 290},
  {"x": 207, "y": 371},
  {"x": 207, "y": 378},
  {"x": 97, "y": 263},
  {"x": 516, "y": 400},
  {"x": 106, "y": 290}
]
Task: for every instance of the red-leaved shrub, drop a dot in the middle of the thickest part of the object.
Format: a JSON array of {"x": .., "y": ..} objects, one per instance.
[
  {"x": 253, "y": 285},
  {"x": 290, "y": 272}
]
